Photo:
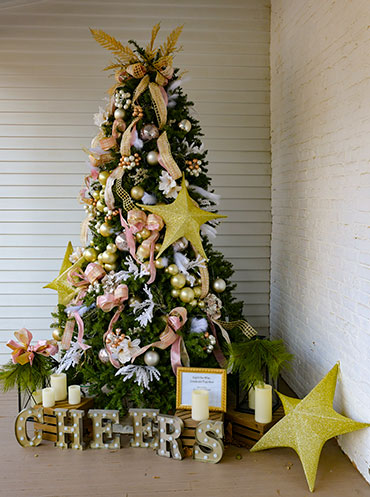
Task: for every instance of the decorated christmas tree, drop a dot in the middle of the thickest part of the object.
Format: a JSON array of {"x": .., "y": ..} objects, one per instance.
[{"x": 147, "y": 292}]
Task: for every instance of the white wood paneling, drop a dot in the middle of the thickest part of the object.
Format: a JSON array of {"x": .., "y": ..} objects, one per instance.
[{"x": 51, "y": 84}]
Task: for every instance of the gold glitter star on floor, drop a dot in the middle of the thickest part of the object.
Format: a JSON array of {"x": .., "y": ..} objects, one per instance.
[
  {"x": 308, "y": 424},
  {"x": 61, "y": 284},
  {"x": 183, "y": 219}
]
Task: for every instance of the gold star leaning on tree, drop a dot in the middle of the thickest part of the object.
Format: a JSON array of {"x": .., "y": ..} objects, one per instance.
[
  {"x": 183, "y": 219},
  {"x": 61, "y": 284},
  {"x": 308, "y": 424}
]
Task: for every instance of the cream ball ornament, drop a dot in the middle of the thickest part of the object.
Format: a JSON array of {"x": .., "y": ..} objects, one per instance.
[
  {"x": 219, "y": 285},
  {"x": 108, "y": 257},
  {"x": 157, "y": 247},
  {"x": 137, "y": 192},
  {"x": 197, "y": 291},
  {"x": 57, "y": 334},
  {"x": 90, "y": 254},
  {"x": 151, "y": 358},
  {"x": 95, "y": 195},
  {"x": 194, "y": 302},
  {"x": 152, "y": 158},
  {"x": 112, "y": 248},
  {"x": 159, "y": 263},
  {"x": 145, "y": 233},
  {"x": 173, "y": 269},
  {"x": 105, "y": 230},
  {"x": 103, "y": 176},
  {"x": 175, "y": 292},
  {"x": 143, "y": 252},
  {"x": 186, "y": 294},
  {"x": 185, "y": 125},
  {"x": 100, "y": 259},
  {"x": 201, "y": 304},
  {"x": 119, "y": 114},
  {"x": 111, "y": 267},
  {"x": 178, "y": 281},
  {"x": 100, "y": 206}
]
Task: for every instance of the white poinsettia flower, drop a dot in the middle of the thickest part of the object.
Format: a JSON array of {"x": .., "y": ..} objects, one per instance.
[
  {"x": 127, "y": 349},
  {"x": 100, "y": 117},
  {"x": 77, "y": 254},
  {"x": 168, "y": 185}
]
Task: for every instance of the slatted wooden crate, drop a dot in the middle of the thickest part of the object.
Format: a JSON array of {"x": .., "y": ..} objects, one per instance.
[
  {"x": 243, "y": 430},
  {"x": 188, "y": 433},
  {"x": 49, "y": 426}
]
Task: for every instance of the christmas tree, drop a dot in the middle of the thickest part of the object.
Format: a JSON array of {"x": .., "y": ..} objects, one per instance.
[{"x": 148, "y": 292}]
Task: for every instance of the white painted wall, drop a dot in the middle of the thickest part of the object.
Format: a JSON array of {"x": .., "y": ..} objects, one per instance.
[
  {"x": 51, "y": 83},
  {"x": 320, "y": 124}
]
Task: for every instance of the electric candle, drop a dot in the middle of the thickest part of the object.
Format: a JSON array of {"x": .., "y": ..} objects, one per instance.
[
  {"x": 263, "y": 403},
  {"x": 48, "y": 397},
  {"x": 59, "y": 383},
  {"x": 74, "y": 394},
  {"x": 199, "y": 405}
]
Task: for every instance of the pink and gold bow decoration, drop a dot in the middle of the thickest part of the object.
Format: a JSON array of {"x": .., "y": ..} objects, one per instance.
[
  {"x": 24, "y": 352},
  {"x": 137, "y": 220},
  {"x": 175, "y": 321},
  {"x": 106, "y": 303}
]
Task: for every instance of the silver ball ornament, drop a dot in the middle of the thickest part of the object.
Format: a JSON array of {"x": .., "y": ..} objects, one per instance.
[
  {"x": 152, "y": 158},
  {"x": 149, "y": 132},
  {"x": 185, "y": 125},
  {"x": 151, "y": 358},
  {"x": 121, "y": 242},
  {"x": 103, "y": 356},
  {"x": 119, "y": 114},
  {"x": 219, "y": 285}
]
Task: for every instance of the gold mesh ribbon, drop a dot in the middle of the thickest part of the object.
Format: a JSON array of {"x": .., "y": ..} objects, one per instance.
[
  {"x": 126, "y": 139},
  {"x": 204, "y": 276},
  {"x": 127, "y": 202},
  {"x": 167, "y": 161},
  {"x": 141, "y": 87},
  {"x": 84, "y": 229},
  {"x": 243, "y": 326},
  {"x": 136, "y": 70},
  {"x": 159, "y": 104}
]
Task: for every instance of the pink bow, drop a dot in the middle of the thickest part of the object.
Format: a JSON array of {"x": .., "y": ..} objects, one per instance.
[
  {"x": 24, "y": 352},
  {"x": 175, "y": 320},
  {"x": 108, "y": 301}
]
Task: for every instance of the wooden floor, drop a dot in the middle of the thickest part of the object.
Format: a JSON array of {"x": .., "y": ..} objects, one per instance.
[{"x": 49, "y": 472}]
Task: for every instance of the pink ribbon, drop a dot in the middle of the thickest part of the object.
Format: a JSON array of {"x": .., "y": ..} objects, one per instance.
[
  {"x": 175, "y": 320},
  {"x": 81, "y": 330},
  {"x": 24, "y": 352}
]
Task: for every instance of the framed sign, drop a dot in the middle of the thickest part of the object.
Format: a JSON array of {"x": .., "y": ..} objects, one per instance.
[{"x": 213, "y": 380}]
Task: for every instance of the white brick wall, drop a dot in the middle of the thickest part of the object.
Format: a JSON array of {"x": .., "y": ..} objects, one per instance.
[{"x": 320, "y": 283}]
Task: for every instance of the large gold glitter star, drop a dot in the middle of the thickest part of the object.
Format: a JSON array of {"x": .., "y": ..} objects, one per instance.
[
  {"x": 61, "y": 284},
  {"x": 308, "y": 424},
  {"x": 183, "y": 219}
]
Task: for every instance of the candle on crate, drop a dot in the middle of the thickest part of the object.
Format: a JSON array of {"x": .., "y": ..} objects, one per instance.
[
  {"x": 263, "y": 403},
  {"x": 48, "y": 397},
  {"x": 59, "y": 383},
  {"x": 251, "y": 398},
  {"x": 74, "y": 394},
  {"x": 200, "y": 405}
]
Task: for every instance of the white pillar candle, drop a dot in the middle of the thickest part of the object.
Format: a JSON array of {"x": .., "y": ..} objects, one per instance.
[
  {"x": 251, "y": 398},
  {"x": 59, "y": 383},
  {"x": 74, "y": 394},
  {"x": 48, "y": 397},
  {"x": 263, "y": 403},
  {"x": 199, "y": 405},
  {"x": 36, "y": 397}
]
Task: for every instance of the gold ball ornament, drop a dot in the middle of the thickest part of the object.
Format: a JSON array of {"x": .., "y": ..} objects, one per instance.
[
  {"x": 105, "y": 230},
  {"x": 137, "y": 192},
  {"x": 95, "y": 195},
  {"x": 145, "y": 233},
  {"x": 219, "y": 285},
  {"x": 197, "y": 291},
  {"x": 142, "y": 252},
  {"x": 111, "y": 247},
  {"x": 111, "y": 267},
  {"x": 108, "y": 257},
  {"x": 134, "y": 300},
  {"x": 103, "y": 176},
  {"x": 159, "y": 264},
  {"x": 90, "y": 254},
  {"x": 194, "y": 302},
  {"x": 152, "y": 158},
  {"x": 185, "y": 125},
  {"x": 173, "y": 269},
  {"x": 157, "y": 247},
  {"x": 201, "y": 304},
  {"x": 100, "y": 259},
  {"x": 186, "y": 294},
  {"x": 178, "y": 281},
  {"x": 175, "y": 292},
  {"x": 138, "y": 237},
  {"x": 100, "y": 206},
  {"x": 57, "y": 334}
]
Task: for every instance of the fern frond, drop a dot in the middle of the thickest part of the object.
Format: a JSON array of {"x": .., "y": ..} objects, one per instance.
[
  {"x": 125, "y": 54},
  {"x": 169, "y": 46},
  {"x": 114, "y": 65},
  {"x": 150, "y": 52}
]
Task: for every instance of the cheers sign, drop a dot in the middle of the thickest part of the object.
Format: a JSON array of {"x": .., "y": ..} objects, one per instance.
[{"x": 148, "y": 427}]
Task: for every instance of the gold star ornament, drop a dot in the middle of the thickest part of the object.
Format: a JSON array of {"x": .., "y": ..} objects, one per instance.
[
  {"x": 183, "y": 218},
  {"x": 65, "y": 290},
  {"x": 308, "y": 424}
]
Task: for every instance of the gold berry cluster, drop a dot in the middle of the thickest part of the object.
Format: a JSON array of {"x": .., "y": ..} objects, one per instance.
[
  {"x": 138, "y": 111},
  {"x": 193, "y": 167},
  {"x": 109, "y": 216}
]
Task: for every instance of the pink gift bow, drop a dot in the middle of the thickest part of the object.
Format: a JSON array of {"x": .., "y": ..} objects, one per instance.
[
  {"x": 175, "y": 320},
  {"x": 24, "y": 352}
]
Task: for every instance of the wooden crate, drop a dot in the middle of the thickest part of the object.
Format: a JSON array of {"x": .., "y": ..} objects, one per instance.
[
  {"x": 49, "y": 426},
  {"x": 188, "y": 433},
  {"x": 243, "y": 430}
]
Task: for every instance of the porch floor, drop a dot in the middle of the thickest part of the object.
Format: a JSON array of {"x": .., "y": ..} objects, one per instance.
[{"x": 45, "y": 471}]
